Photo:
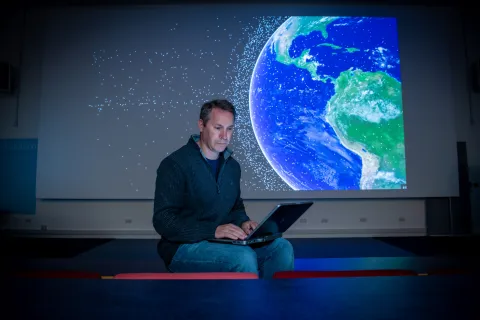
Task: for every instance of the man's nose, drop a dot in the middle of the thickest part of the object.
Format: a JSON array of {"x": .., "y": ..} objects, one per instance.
[{"x": 223, "y": 135}]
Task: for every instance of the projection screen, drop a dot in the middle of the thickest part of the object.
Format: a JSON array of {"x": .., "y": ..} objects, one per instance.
[{"x": 331, "y": 102}]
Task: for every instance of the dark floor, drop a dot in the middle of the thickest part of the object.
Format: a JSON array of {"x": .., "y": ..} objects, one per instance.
[
  {"x": 111, "y": 256},
  {"x": 437, "y": 246},
  {"x": 30, "y": 247},
  {"x": 17, "y": 247}
]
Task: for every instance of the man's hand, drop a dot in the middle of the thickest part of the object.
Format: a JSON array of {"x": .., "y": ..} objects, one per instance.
[
  {"x": 229, "y": 231},
  {"x": 249, "y": 226}
]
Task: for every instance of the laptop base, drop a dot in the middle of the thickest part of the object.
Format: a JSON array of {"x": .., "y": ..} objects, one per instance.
[{"x": 248, "y": 241}]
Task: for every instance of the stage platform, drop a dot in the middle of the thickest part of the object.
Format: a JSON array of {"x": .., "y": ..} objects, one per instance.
[{"x": 112, "y": 256}]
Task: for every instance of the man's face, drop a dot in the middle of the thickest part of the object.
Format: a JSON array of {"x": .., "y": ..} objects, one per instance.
[{"x": 217, "y": 132}]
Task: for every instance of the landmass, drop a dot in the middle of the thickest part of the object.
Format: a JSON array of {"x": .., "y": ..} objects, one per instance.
[
  {"x": 283, "y": 38},
  {"x": 365, "y": 111},
  {"x": 366, "y": 114},
  {"x": 335, "y": 47}
]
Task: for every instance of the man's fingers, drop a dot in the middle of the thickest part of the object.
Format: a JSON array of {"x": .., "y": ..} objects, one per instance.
[
  {"x": 229, "y": 235},
  {"x": 231, "y": 231},
  {"x": 250, "y": 226},
  {"x": 236, "y": 231},
  {"x": 235, "y": 228},
  {"x": 233, "y": 235}
]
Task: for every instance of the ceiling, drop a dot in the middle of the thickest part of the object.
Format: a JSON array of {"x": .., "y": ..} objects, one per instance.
[{"x": 36, "y": 3}]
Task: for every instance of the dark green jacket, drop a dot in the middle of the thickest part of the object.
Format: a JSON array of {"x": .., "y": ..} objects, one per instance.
[{"x": 190, "y": 203}]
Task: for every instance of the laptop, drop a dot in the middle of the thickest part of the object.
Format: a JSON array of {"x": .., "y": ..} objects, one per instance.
[{"x": 279, "y": 220}]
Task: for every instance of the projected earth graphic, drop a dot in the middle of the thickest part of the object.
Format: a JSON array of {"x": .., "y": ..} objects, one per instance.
[{"x": 326, "y": 104}]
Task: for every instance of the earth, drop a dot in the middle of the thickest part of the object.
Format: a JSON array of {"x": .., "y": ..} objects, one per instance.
[{"x": 326, "y": 104}]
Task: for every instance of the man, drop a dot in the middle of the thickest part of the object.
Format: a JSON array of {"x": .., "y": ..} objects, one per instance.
[{"x": 197, "y": 197}]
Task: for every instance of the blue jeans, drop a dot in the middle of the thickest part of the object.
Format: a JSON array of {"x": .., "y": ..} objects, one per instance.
[{"x": 206, "y": 256}]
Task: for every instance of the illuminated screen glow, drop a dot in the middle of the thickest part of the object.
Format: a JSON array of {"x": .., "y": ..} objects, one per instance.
[{"x": 327, "y": 105}]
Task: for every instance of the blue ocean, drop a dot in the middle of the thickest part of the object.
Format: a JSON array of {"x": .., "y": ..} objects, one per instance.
[{"x": 288, "y": 106}]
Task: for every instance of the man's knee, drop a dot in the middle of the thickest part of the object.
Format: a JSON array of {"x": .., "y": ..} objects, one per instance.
[
  {"x": 244, "y": 261},
  {"x": 283, "y": 250}
]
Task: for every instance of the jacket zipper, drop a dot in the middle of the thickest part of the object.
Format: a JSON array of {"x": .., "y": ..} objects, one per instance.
[{"x": 220, "y": 175}]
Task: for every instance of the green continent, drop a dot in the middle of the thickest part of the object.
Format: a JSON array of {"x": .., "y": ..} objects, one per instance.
[
  {"x": 295, "y": 27},
  {"x": 303, "y": 26},
  {"x": 366, "y": 114}
]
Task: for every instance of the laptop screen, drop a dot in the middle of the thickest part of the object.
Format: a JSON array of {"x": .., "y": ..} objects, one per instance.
[{"x": 281, "y": 219}]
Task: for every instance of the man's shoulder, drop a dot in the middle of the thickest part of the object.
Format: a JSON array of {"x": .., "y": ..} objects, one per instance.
[
  {"x": 181, "y": 155},
  {"x": 234, "y": 163}
]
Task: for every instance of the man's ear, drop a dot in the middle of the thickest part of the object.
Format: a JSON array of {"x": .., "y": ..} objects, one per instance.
[{"x": 201, "y": 125}]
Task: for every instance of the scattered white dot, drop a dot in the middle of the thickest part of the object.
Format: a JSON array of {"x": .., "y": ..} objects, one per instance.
[{"x": 134, "y": 67}]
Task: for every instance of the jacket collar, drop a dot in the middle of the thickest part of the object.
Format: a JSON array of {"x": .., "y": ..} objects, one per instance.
[{"x": 194, "y": 138}]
